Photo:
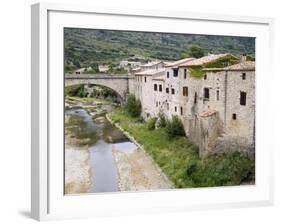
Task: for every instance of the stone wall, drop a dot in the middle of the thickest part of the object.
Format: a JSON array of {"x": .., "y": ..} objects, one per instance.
[
  {"x": 243, "y": 125},
  {"x": 159, "y": 99}
]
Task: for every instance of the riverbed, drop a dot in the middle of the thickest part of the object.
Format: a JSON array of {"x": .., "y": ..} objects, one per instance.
[{"x": 99, "y": 157}]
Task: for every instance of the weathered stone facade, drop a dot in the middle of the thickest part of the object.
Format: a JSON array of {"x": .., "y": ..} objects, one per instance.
[{"x": 217, "y": 109}]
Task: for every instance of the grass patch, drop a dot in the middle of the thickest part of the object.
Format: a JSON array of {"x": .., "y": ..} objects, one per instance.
[
  {"x": 151, "y": 123},
  {"x": 179, "y": 160}
]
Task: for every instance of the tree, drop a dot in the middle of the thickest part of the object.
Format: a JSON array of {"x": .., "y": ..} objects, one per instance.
[
  {"x": 174, "y": 127},
  {"x": 133, "y": 106},
  {"x": 184, "y": 55},
  {"x": 76, "y": 63},
  {"x": 94, "y": 67},
  {"x": 196, "y": 51}
]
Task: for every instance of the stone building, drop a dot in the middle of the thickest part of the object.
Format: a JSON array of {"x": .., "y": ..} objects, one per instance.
[
  {"x": 143, "y": 86},
  {"x": 235, "y": 106},
  {"x": 214, "y": 96}
]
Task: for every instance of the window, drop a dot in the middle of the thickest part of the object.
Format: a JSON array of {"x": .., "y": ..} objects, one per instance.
[
  {"x": 175, "y": 109},
  {"x": 168, "y": 75},
  {"x": 160, "y": 88},
  {"x": 205, "y": 77},
  {"x": 167, "y": 90},
  {"x": 173, "y": 91},
  {"x": 155, "y": 87},
  {"x": 233, "y": 116},
  {"x": 185, "y": 91},
  {"x": 181, "y": 111},
  {"x": 206, "y": 93},
  {"x": 243, "y": 96},
  {"x": 218, "y": 95},
  {"x": 243, "y": 76},
  {"x": 144, "y": 78},
  {"x": 156, "y": 103},
  {"x": 195, "y": 98},
  {"x": 184, "y": 73},
  {"x": 175, "y": 72},
  {"x": 167, "y": 106}
]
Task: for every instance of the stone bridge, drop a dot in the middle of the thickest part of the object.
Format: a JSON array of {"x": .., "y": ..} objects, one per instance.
[{"x": 118, "y": 83}]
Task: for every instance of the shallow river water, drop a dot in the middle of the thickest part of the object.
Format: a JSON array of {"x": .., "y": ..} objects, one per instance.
[{"x": 99, "y": 136}]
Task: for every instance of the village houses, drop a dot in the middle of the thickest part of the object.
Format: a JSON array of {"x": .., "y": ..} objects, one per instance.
[{"x": 214, "y": 96}]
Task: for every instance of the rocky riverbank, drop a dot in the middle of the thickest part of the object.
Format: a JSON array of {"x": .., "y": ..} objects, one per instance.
[
  {"x": 77, "y": 169},
  {"x": 101, "y": 157},
  {"x": 137, "y": 171}
]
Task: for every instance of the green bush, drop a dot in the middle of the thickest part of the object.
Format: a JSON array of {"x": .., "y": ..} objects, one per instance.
[
  {"x": 133, "y": 106},
  {"x": 76, "y": 90},
  {"x": 191, "y": 167},
  {"x": 174, "y": 127},
  {"x": 151, "y": 123},
  {"x": 139, "y": 120},
  {"x": 217, "y": 170},
  {"x": 82, "y": 93}
]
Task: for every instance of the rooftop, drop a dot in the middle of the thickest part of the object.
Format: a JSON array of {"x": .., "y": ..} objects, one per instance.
[
  {"x": 179, "y": 62},
  {"x": 149, "y": 64},
  {"x": 151, "y": 72},
  {"x": 242, "y": 66},
  {"x": 205, "y": 60}
]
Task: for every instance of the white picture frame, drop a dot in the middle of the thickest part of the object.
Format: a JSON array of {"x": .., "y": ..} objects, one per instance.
[{"x": 48, "y": 201}]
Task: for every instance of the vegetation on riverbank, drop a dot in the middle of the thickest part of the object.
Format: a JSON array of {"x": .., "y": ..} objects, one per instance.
[
  {"x": 133, "y": 106},
  {"x": 179, "y": 158},
  {"x": 97, "y": 93}
]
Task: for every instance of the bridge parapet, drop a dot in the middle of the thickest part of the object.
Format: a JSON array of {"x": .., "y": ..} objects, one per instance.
[{"x": 97, "y": 76}]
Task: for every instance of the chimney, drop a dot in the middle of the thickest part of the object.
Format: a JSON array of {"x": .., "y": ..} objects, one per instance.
[{"x": 243, "y": 58}]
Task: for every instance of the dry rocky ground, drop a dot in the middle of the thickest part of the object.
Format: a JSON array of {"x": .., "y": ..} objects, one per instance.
[
  {"x": 77, "y": 170},
  {"x": 138, "y": 172}
]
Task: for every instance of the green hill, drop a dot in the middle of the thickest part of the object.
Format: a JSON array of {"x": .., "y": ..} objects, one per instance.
[{"x": 84, "y": 47}]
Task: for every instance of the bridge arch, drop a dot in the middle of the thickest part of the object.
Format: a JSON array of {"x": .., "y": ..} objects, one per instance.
[
  {"x": 119, "y": 97},
  {"x": 119, "y": 84}
]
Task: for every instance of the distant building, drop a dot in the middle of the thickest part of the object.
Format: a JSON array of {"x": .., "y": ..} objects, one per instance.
[
  {"x": 129, "y": 64},
  {"x": 153, "y": 65},
  {"x": 103, "y": 68},
  {"x": 143, "y": 88}
]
